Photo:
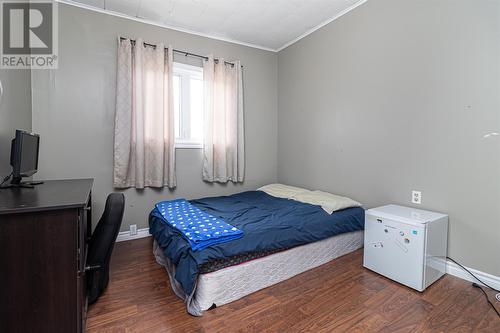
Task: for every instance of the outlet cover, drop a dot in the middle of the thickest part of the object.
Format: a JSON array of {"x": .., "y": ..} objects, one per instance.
[
  {"x": 416, "y": 197},
  {"x": 133, "y": 229}
]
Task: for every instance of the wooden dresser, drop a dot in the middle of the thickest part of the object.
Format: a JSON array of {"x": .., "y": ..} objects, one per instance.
[{"x": 43, "y": 237}]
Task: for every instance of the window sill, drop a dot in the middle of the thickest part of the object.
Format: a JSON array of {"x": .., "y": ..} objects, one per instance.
[{"x": 188, "y": 145}]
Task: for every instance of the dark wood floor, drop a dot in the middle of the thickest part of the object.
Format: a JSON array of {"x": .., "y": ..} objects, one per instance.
[{"x": 340, "y": 296}]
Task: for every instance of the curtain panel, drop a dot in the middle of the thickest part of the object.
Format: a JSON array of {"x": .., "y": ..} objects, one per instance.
[
  {"x": 223, "y": 144},
  {"x": 144, "y": 138}
]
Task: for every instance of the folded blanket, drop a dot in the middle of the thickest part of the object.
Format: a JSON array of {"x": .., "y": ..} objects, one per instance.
[{"x": 199, "y": 228}]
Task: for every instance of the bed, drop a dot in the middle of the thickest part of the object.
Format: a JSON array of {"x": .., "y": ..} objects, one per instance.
[{"x": 286, "y": 230}]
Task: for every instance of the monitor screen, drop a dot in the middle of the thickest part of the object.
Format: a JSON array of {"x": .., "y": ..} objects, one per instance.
[
  {"x": 29, "y": 153},
  {"x": 24, "y": 155}
]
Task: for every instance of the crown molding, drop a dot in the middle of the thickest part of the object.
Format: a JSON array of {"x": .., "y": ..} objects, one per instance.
[
  {"x": 150, "y": 22},
  {"x": 192, "y": 32}
]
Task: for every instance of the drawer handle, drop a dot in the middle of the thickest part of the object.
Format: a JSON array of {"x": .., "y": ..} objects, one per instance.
[{"x": 89, "y": 268}]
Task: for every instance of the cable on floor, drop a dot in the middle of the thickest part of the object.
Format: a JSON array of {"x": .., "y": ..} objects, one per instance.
[
  {"x": 486, "y": 295},
  {"x": 478, "y": 285}
]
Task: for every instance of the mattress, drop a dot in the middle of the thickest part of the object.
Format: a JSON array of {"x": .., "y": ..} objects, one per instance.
[
  {"x": 268, "y": 223},
  {"x": 232, "y": 283}
]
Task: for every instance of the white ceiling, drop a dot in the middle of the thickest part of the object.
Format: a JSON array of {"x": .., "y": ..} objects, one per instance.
[{"x": 267, "y": 24}]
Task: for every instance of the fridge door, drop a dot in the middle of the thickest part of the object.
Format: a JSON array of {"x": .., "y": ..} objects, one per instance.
[{"x": 395, "y": 250}]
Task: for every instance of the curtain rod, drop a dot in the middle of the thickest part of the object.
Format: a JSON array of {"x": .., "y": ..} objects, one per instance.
[{"x": 180, "y": 51}]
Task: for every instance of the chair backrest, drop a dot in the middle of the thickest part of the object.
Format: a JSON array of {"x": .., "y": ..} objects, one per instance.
[{"x": 104, "y": 236}]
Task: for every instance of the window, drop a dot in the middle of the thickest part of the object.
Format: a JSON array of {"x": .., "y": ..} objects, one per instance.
[{"x": 188, "y": 106}]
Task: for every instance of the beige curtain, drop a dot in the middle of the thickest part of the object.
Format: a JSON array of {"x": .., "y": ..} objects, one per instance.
[
  {"x": 144, "y": 153},
  {"x": 223, "y": 144}
]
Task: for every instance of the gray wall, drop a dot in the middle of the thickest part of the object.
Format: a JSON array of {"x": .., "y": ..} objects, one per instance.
[
  {"x": 394, "y": 96},
  {"x": 73, "y": 110},
  {"x": 15, "y": 111}
]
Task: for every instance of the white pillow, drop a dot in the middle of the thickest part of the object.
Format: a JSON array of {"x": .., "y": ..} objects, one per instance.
[
  {"x": 329, "y": 202},
  {"x": 282, "y": 191}
]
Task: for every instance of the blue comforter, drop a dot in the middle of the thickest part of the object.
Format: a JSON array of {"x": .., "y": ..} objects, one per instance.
[{"x": 268, "y": 223}]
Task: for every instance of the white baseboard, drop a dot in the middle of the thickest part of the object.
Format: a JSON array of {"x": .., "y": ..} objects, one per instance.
[
  {"x": 125, "y": 235},
  {"x": 455, "y": 270}
]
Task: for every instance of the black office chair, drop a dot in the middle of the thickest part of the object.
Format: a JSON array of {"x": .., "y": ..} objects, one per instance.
[{"x": 101, "y": 246}]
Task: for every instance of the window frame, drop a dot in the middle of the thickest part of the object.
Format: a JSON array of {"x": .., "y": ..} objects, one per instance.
[{"x": 186, "y": 72}]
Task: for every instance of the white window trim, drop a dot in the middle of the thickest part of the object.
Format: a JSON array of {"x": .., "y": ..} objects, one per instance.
[
  {"x": 186, "y": 70},
  {"x": 181, "y": 144}
]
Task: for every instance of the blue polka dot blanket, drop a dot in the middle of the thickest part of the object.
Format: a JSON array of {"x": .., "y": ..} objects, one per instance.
[{"x": 199, "y": 228}]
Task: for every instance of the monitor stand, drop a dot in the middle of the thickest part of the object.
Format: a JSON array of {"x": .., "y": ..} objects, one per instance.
[
  {"x": 17, "y": 183},
  {"x": 21, "y": 185}
]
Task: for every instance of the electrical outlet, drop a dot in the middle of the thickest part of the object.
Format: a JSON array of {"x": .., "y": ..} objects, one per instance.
[
  {"x": 416, "y": 197},
  {"x": 133, "y": 229}
]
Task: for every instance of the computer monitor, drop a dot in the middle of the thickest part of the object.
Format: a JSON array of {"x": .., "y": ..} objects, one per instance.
[{"x": 24, "y": 155}]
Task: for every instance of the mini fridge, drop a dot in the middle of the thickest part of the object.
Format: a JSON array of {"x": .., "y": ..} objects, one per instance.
[{"x": 405, "y": 244}]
